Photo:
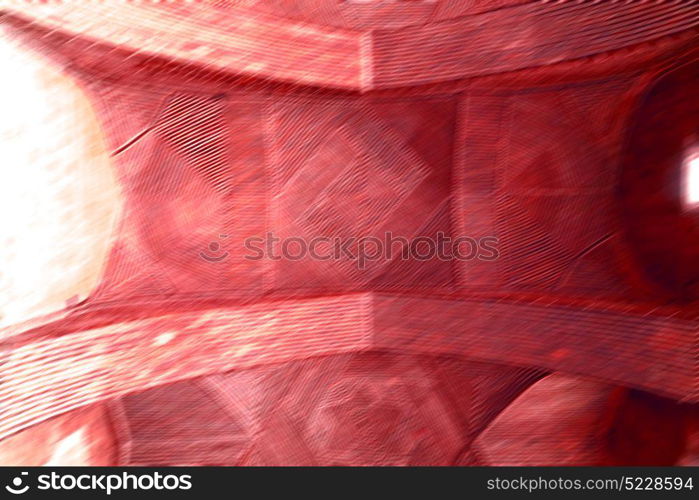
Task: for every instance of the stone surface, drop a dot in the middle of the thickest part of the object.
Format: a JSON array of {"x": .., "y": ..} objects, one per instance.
[
  {"x": 83, "y": 437},
  {"x": 222, "y": 124}
]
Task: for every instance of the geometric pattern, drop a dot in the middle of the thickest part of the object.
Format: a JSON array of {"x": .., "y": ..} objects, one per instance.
[
  {"x": 354, "y": 409},
  {"x": 533, "y": 173},
  {"x": 346, "y": 120},
  {"x": 360, "y": 177},
  {"x": 192, "y": 188}
]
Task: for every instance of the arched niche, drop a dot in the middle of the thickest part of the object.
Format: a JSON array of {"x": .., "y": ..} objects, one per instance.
[{"x": 58, "y": 196}]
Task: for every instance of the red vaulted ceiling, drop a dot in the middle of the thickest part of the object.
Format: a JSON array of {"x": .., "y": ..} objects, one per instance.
[{"x": 519, "y": 120}]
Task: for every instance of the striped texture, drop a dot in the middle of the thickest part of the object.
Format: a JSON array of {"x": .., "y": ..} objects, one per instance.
[{"x": 245, "y": 41}]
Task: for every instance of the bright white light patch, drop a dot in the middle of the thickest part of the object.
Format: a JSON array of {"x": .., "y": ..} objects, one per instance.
[
  {"x": 71, "y": 450},
  {"x": 692, "y": 180},
  {"x": 57, "y": 191}
]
